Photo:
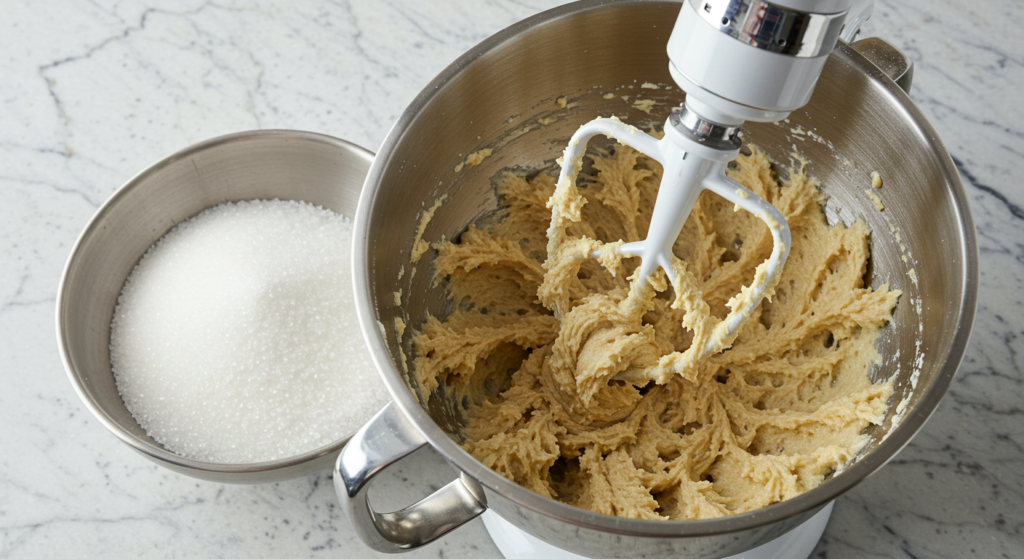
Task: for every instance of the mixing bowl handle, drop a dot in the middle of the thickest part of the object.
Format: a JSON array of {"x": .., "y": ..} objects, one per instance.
[
  {"x": 386, "y": 439},
  {"x": 888, "y": 59}
]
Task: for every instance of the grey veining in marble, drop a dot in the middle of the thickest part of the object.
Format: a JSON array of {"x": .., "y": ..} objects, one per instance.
[{"x": 92, "y": 92}]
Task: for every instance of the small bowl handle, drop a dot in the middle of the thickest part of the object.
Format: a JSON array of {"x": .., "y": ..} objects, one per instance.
[{"x": 384, "y": 440}]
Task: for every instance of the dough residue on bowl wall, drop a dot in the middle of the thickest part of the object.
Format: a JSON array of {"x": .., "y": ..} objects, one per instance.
[{"x": 419, "y": 246}]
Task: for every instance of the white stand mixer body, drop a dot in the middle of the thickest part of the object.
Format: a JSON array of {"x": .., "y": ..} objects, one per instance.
[{"x": 514, "y": 543}]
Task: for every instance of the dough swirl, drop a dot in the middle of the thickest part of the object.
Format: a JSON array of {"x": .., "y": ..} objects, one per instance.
[{"x": 539, "y": 331}]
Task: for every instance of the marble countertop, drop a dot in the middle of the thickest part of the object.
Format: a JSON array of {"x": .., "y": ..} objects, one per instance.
[{"x": 93, "y": 92}]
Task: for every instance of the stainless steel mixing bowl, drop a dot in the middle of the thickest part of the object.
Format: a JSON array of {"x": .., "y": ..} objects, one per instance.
[
  {"x": 858, "y": 121},
  {"x": 283, "y": 164}
]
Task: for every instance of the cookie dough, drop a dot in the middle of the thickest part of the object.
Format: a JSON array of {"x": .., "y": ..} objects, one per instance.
[{"x": 540, "y": 335}]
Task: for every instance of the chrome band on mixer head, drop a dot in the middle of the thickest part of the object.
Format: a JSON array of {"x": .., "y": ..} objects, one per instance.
[
  {"x": 767, "y": 26},
  {"x": 711, "y": 134}
]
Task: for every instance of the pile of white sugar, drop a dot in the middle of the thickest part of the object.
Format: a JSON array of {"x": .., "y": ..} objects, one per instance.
[{"x": 235, "y": 339}]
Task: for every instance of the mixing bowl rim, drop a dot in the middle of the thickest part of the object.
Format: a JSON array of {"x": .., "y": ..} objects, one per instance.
[
  {"x": 97, "y": 222},
  {"x": 809, "y": 501}
]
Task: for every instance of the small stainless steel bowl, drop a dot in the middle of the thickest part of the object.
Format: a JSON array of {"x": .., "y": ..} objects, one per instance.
[{"x": 264, "y": 164}]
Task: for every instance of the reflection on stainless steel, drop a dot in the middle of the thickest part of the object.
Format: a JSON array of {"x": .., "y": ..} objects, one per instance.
[
  {"x": 713, "y": 135},
  {"x": 386, "y": 439},
  {"x": 770, "y": 27},
  {"x": 493, "y": 96},
  {"x": 264, "y": 164}
]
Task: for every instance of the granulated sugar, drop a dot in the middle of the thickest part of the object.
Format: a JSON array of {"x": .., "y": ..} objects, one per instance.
[{"x": 235, "y": 338}]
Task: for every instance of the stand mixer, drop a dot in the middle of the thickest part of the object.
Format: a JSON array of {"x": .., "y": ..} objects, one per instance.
[
  {"x": 780, "y": 49},
  {"x": 737, "y": 61},
  {"x": 718, "y": 51}
]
